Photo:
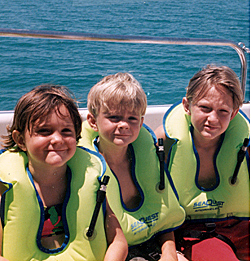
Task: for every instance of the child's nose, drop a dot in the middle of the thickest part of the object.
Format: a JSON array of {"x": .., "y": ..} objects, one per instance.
[
  {"x": 123, "y": 124},
  {"x": 56, "y": 137},
  {"x": 213, "y": 116}
]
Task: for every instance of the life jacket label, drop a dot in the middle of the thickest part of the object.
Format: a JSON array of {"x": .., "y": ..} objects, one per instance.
[
  {"x": 206, "y": 205},
  {"x": 145, "y": 222}
]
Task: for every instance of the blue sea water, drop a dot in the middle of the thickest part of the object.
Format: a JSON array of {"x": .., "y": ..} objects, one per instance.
[{"x": 163, "y": 70}]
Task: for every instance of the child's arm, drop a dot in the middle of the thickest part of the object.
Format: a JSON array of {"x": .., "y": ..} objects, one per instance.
[
  {"x": 160, "y": 133},
  {"x": 168, "y": 248},
  {"x": 117, "y": 244}
]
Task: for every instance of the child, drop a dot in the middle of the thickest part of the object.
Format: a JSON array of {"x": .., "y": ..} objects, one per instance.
[
  {"x": 116, "y": 107},
  {"x": 48, "y": 186},
  {"x": 208, "y": 134}
]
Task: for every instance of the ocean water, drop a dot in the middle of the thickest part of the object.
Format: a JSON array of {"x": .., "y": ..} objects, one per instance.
[{"x": 163, "y": 70}]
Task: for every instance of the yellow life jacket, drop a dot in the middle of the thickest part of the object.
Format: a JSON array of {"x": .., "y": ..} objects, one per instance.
[
  {"x": 158, "y": 211},
  {"x": 22, "y": 211},
  {"x": 224, "y": 200}
]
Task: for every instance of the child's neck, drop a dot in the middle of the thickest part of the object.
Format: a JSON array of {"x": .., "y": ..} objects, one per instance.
[
  {"x": 51, "y": 185},
  {"x": 206, "y": 144},
  {"x": 114, "y": 156},
  {"x": 48, "y": 175}
]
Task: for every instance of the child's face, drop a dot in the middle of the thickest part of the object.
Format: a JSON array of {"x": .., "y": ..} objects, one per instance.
[
  {"x": 211, "y": 114},
  {"x": 118, "y": 128},
  {"x": 52, "y": 142}
]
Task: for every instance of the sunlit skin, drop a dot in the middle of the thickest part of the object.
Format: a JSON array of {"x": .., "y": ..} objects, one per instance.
[
  {"x": 50, "y": 143},
  {"x": 210, "y": 115},
  {"x": 116, "y": 129}
]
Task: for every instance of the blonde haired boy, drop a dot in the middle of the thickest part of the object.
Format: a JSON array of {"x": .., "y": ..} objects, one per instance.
[{"x": 117, "y": 105}]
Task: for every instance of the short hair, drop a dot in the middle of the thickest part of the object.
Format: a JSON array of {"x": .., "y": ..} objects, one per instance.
[
  {"x": 218, "y": 77},
  {"x": 37, "y": 104},
  {"x": 120, "y": 91}
]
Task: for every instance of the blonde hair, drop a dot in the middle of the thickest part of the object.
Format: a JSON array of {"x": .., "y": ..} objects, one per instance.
[
  {"x": 120, "y": 91},
  {"x": 218, "y": 77}
]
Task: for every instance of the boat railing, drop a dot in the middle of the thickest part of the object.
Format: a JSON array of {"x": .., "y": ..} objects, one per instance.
[{"x": 240, "y": 48}]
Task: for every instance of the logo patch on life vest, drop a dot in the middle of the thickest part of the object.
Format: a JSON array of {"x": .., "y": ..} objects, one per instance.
[
  {"x": 145, "y": 222},
  {"x": 207, "y": 205}
]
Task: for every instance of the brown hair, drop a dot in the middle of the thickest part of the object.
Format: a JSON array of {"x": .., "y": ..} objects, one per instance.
[
  {"x": 120, "y": 91},
  {"x": 37, "y": 104},
  {"x": 218, "y": 77}
]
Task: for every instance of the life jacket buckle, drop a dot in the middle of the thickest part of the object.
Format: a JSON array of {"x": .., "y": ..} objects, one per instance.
[{"x": 210, "y": 227}]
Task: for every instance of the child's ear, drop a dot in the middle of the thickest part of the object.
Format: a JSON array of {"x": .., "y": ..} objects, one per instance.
[
  {"x": 186, "y": 105},
  {"x": 92, "y": 121},
  {"x": 19, "y": 140},
  {"x": 234, "y": 113}
]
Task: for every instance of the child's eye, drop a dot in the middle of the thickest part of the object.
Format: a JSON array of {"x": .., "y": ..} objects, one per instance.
[
  {"x": 204, "y": 108},
  {"x": 224, "y": 111},
  {"x": 43, "y": 131},
  {"x": 114, "y": 118},
  {"x": 67, "y": 130},
  {"x": 132, "y": 118}
]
